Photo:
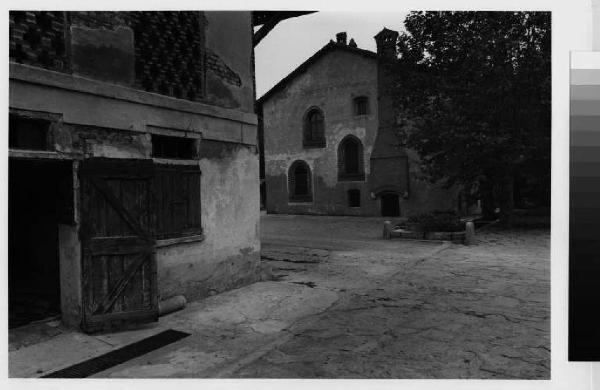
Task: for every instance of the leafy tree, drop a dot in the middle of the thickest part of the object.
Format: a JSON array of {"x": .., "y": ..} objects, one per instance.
[{"x": 474, "y": 92}]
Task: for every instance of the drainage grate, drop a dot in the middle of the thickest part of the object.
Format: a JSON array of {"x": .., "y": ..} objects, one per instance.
[{"x": 118, "y": 356}]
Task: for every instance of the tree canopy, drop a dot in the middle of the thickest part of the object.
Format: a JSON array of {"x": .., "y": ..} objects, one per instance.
[{"x": 474, "y": 89}]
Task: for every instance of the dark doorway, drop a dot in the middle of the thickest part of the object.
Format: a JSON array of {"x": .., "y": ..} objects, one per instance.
[
  {"x": 299, "y": 182},
  {"x": 390, "y": 205},
  {"x": 354, "y": 198},
  {"x": 40, "y": 197}
]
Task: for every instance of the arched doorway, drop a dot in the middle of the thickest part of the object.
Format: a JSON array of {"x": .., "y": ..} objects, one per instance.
[
  {"x": 390, "y": 204},
  {"x": 299, "y": 182}
]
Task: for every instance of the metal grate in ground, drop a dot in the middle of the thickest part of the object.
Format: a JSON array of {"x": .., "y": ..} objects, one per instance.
[{"x": 118, "y": 356}]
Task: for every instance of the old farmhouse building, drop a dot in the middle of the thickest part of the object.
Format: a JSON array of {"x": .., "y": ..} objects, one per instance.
[
  {"x": 330, "y": 143},
  {"x": 134, "y": 171}
]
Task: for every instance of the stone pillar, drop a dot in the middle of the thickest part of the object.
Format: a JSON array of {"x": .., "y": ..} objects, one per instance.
[
  {"x": 387, "y": 229},
  {"x": 469, "y": 233}
]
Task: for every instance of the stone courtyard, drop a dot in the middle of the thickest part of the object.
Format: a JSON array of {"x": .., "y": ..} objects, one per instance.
[
  {"x": 343, "y": 303},
  {"x": 409, "y": 309}
]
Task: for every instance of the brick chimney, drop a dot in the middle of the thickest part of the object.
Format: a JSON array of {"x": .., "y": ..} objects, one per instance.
[
  {"x": 386, "y": 43},
  {"x": 389, "y": 161},
  {"x": 341, "y": 38}
]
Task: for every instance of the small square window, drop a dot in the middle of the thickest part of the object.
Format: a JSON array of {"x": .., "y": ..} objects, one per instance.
[
  {"x": 361, "y": 105},
  {"x": 28, "y": 133},
  {"x": 173, "y": 147}
]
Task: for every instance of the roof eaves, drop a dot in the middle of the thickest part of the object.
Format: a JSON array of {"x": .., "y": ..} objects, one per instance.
[{"x": 302, "y": 67}]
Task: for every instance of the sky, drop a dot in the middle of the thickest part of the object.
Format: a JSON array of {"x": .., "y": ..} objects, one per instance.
[{"x": 294, "y": 40}]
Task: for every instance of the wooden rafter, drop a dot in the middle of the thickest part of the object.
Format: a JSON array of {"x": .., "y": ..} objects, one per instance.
[{"x": 269, "y": 19}]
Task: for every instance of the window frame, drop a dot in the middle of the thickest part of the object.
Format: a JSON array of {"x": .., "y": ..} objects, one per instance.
[
  {"x": 309, "y": 140},
  {"x": 177, "y": 167},
  {"x": 49, "y": 121},
  {"x": 177, "y": 171},
  {"x": 343, "y": 174},
  {"x": 180, "y": 144},
  {"x": 357, "y": 103}
]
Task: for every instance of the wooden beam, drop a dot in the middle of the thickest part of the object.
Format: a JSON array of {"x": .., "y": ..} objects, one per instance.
[{"x": 265, "y": 29}]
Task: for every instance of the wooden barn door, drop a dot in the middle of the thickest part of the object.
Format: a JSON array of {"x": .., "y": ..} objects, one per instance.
[{"x": 117, "y": 234}]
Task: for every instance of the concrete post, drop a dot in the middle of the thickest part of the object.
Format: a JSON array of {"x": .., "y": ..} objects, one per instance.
[
  {"x": 387, "y": 229},
  {"x": 469, "y": 233}
]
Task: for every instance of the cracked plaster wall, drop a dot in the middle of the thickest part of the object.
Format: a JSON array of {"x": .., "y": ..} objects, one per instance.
[
  {"x": 228, "y": 257},
  {"x": 96, "y": 125}
]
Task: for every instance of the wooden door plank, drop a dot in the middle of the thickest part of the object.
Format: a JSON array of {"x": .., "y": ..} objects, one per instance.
[
  {"x": 118, "y": 245},
  {"x": 101, "y": 319},
  {"x": 119, "y": 263},
  {"x": 116, "y": 291},
  {"x": 116, "y": 204}
]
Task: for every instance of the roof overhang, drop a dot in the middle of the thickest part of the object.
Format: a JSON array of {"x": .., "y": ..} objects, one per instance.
[{"x": 269, "y": 19}]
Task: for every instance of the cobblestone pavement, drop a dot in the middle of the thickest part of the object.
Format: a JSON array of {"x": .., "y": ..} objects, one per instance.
[
  {"x": 412, "y": 312},
  {"x": 347, "y": 304}
]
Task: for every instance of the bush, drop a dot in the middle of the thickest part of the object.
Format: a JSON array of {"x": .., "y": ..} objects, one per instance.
[{"x": 437, "y": 221}]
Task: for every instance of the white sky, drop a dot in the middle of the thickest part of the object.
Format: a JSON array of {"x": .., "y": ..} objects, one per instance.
[{"x": 294, "y": 40}]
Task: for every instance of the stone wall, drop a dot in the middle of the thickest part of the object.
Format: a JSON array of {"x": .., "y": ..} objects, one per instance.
[{"x": 331, "y": 84}]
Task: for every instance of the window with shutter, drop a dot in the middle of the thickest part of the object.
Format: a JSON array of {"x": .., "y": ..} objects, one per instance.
[
  {"x": 176, "y": 186},
  {"x": 350, "y": 160},
  {"x": 178, "y": 201}
]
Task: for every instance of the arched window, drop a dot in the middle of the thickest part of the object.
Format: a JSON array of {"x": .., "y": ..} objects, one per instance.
[
  {"x": 299, "y": 182},
  {"x": 361, "y": 105},
  {"x": 314, "y": 128},
  {"x": 354, "y": 198},
  {"x": 350, "y": 160}
]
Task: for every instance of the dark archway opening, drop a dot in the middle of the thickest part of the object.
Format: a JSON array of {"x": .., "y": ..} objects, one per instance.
[
  {"x": 350, "y": 160},
  {"x": 299, "y": 182},
  {"x": 390, "y": 205},
  {"x": 351, "y": 152},
  {"x": 314, "y": 128}
]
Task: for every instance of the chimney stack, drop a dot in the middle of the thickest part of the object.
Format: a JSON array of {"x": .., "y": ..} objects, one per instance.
[
  {"x": 386, "y": 43},
  {"x": 352, "y": 43},
  {"x": 341, "y": 38}
]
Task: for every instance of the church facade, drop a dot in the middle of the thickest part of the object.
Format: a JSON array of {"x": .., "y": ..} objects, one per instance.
[{"x": 329, "y": 133}]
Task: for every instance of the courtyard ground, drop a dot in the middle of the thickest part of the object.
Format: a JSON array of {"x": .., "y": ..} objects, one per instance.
[{"x": 344, "y": 303}]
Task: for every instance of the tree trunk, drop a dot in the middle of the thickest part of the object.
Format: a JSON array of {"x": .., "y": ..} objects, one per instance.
[{"x": 506, "y": 200}]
